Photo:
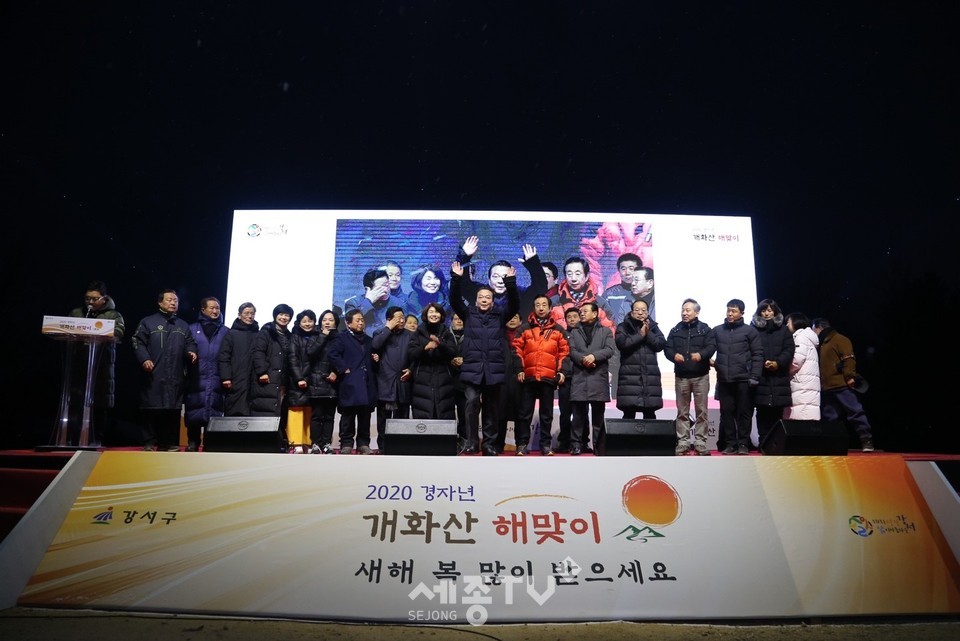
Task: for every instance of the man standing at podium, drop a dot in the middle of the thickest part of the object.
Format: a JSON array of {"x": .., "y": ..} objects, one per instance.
[
  {"x": 96, "y": 304},
  {"x": 164, "y": 348}
]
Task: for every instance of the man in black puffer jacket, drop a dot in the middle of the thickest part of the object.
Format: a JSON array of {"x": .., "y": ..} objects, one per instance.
[
  {"x": 690, "y": 345},
  {"x": 739, "y": 364},
  {"x": 163, "y": 346},
  {"x": 484, "y": 351}
]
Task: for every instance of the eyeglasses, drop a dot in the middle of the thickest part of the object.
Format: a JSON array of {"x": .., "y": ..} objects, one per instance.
[{"x": 91, "y": 299}]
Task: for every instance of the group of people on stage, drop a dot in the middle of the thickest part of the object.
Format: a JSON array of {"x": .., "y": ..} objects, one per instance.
[{"x": 484, "y": 354}]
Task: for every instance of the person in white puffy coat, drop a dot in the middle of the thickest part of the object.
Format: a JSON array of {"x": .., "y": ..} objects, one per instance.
[{"x": 804, "y": 371}]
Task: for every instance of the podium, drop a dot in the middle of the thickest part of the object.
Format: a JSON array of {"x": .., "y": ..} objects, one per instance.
[{"x": 93, "y": 332}]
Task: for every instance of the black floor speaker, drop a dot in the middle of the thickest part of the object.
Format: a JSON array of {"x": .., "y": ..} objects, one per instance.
[
  {"x": 242, "y": 434},
  {"x": 639, "y": 437},
  {"x": 806, "y": 438},
  {"x": 420, "y": 437}
]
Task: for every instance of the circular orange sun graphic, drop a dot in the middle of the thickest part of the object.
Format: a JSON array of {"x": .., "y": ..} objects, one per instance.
[{"x": 651, "y": 500}]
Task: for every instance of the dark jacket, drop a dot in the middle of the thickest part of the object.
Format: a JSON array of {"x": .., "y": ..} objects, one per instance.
[
  {"x": 269, "y": 356},
  {"x": 777, "y": 342},
  {"x": 204, "y": 391},
  {"x": 538, "y": 285},
  {"x": 374, "y": 315},
  {"x": 352, "y": 352},
  {"x": 309, "y": 362},
  {"x": 165, "y": 340},
  {"x": 685, "y": 339},
  {"x": 591, "y": 383},
  {"x": 837, "y": 361},
  {"x": 458, "y": 344},
  {"x": 433, "y": 380},
  {"x": 392, "y": 349},
  {"x": 235, "y": 365},
  {"x": 739, "y": 353},
  {"x": 638, "y": 380},
  {"x": 104, "y": 385},
  {"x": 483, "y": 350}
]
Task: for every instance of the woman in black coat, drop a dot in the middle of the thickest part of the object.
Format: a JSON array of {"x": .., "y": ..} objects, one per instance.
[
  {"x": 234, "y": 361},
  {"x": 772, "y": 395},
  {"x": 431, "y": 349},
  {"x": 639, "y": 340},
  {"x": 312, "y": 379},
  {"x": 269, "y": 356}
]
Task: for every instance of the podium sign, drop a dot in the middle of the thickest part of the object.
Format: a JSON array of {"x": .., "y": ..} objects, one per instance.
[
  {"x": 89, "y": 331},
  {"x": 78, "y": 328}
]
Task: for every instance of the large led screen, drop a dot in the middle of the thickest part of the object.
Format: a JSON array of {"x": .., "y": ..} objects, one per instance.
[{"x": 317, "y": 259}]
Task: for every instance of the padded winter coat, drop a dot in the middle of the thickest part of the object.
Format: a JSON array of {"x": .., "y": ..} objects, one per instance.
[
  {"x": 774, "y": 387},
  {"x": 686, "y": 339},
  {"x": 432, "y": 393},
  {"x": 165, "y": 340},
  {"x": 236, "y": 365},
  {"x": 204, "y": 391},
  {"x": 309, "y": 362},
  {"x": 739, "y": 352},
  {"x": 484, "y": 355},
  {"x": 542, "y": 351},
  {"x": 805, "y": 377},
  {"x": 638, "y": 381},
  {"x": 268, "y": 356}
]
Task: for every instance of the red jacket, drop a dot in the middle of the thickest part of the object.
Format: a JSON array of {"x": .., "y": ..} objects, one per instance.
[
  {"x": 541, "y": 351},
  {"x": 563, "y": 301}
]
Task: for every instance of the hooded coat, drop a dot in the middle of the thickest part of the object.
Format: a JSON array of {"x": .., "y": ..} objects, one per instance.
[
  {"x": 235, "y": 364},
  {"x": 777, "y": 342},
  {"x": 205, "y": 394},
  {"x": 805, "y": 377}
]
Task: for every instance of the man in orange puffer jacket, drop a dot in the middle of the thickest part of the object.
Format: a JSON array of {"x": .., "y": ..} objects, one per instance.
[{"x": 543, "y": 350}]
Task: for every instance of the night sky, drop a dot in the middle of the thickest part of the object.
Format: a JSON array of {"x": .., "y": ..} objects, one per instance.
[{"x": 131, "y": 131}]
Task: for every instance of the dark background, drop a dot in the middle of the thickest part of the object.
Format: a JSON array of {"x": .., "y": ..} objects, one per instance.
[{"x": 131, "y": 131}]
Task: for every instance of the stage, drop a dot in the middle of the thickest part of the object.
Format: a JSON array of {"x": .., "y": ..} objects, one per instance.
[{"x": 467, "y": 539}]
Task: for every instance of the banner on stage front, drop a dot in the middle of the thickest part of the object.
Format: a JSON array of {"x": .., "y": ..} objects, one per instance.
[{"x": 473, "y": 540}]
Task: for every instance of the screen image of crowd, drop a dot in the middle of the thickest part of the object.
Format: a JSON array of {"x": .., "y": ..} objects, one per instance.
[{"x": 466, "y": 321}]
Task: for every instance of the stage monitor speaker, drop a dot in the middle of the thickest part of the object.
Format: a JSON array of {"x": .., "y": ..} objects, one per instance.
[
  {"x": 420, "y": 437},
  {"x": 242, "y": 434},
  {"x": 806, "y": 438},
  {"x": 639, "y": 437}
]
